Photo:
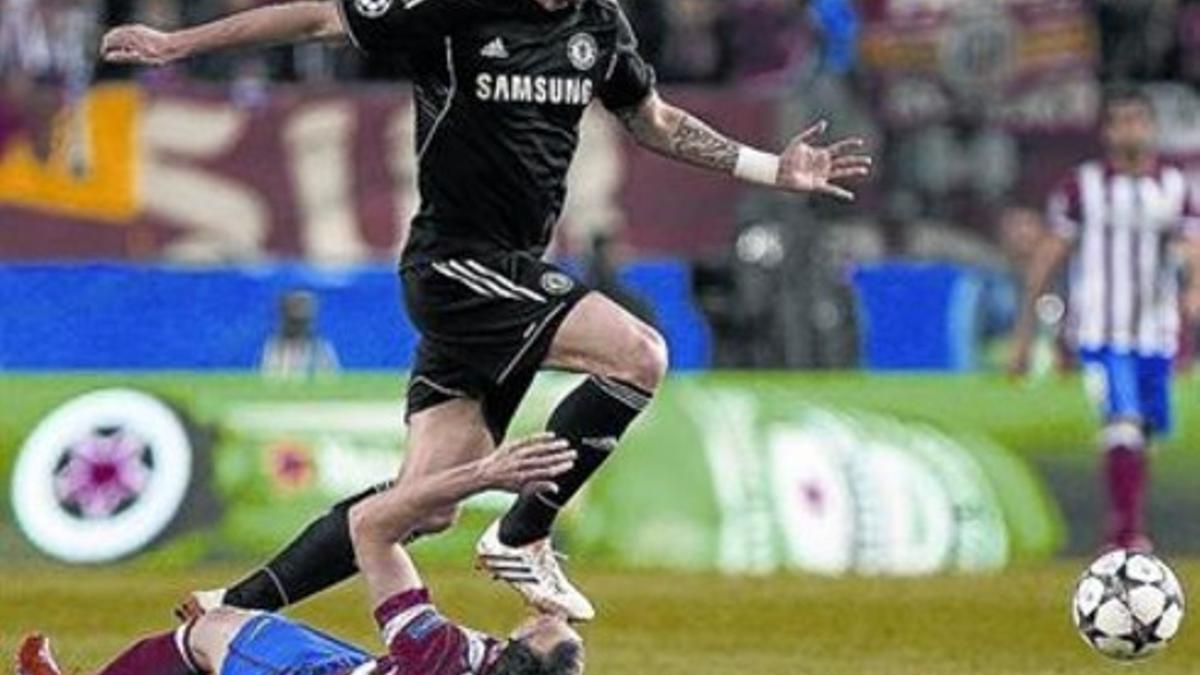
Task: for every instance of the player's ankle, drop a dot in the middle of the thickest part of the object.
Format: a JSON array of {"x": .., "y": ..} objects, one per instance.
[{"x": 517, "y": 530}]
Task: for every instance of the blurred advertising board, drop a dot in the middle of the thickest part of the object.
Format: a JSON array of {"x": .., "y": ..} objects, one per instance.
[
  {"x": 195, "y": 174},
  {"x": 1028, "y": 65},
  {"x": 61, "y": 316},
  {"x": 739, "y": 474}
]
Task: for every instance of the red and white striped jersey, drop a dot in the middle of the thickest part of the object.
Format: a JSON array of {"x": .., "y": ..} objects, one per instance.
[{"x": 1124, "y": 272}]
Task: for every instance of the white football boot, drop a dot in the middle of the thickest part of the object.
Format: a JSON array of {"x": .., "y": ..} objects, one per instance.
[{"x": 533, "y": 571}]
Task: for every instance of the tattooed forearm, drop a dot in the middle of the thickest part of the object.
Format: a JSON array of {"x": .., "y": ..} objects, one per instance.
[
  {"x": 680, "y": 135},
  {"x": 803, "y": 166},
  {"x": 639, "y": 122},
  {"x": 697, "y": 143}
]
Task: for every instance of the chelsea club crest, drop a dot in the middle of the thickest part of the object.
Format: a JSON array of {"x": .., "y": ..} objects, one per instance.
[
  {"x": 372, "y": 9},
  {"x": 557, "y": 283},
  {"x": 582, "y": 51}
]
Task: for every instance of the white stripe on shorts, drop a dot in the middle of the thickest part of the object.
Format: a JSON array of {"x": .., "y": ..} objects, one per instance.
[
  {"x": 441, "y": 389},
  {"x": 481, "y": 280},
  {"x": 444, "y": 270},
  {"x": 504, "y": 281},
  {"x": 529, "y": 342}
]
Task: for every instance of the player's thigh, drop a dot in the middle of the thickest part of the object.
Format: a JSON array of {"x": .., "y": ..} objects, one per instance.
[
  {"x": 601, "y": 337},
  {"x": 257, "y": 643},
  {"x": 449, "y": 434},
  {"x": 1154, "y": 392},
  {"x": 442, "y": 437},
  {"x": 210, "y": 638},
  {"x": 1112, "y": 383}
]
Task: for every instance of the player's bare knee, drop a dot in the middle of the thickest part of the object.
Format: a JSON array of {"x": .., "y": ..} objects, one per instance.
[
  {"x": 440, "y": 521},
  {"x": 646, "y": 359},
  {"x": 1124, "y": 433},
  {"x": 360, "y": 521}
]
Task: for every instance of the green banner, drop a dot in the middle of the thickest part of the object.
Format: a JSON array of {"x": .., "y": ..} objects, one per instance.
[
  {"x": 745, "y": 475},
  {"x": 737, "y": 473}
]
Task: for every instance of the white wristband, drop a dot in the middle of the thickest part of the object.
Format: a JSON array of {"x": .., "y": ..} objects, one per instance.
[{"x": 755, "y": 166}]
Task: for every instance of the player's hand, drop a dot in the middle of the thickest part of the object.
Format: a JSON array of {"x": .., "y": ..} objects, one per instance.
[
  {"x": 807, "y": 167},
  {"x": 1191, "y": 305},
  {"x": 139, "y": 45},
  {"x": 528, "y": 464},
  {"x": 1019, "y": 361}
]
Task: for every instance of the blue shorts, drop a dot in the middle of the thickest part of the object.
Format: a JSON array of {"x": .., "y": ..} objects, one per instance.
[
  {"x": 1130, "y": 386},
  {"x": 269, "y": 644}
]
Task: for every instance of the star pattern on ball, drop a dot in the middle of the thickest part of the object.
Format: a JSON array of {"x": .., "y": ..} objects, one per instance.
[{"x": 1128, "y": 605}]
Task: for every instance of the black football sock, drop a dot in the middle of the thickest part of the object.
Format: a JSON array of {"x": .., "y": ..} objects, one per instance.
[
  {"x": 320, "y": 557},
  {"x": 592, "y": 418}
]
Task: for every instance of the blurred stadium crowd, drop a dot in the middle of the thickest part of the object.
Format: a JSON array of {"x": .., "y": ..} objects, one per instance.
[
  {"x": 973, "y": 121},
  {"x": 698, "y": 41},
  {"x": 743, "y": 42}
]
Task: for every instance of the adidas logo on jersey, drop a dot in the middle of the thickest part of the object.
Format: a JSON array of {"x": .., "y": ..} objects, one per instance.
[{"x": 494, "y": 50}]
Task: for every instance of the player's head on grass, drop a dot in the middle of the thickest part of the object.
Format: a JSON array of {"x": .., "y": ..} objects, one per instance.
[
  {"x": 1129, "y": 125},
  {"x": 542, "y": 645}
]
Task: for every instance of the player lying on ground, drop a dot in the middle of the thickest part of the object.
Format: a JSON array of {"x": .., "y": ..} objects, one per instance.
[
  {"x": 420, "y": 641},
  {"x": 1126, "y": 222},
  {"x": 499, "y": 89}
]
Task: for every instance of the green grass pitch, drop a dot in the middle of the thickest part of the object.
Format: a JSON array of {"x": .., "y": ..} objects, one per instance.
[{"x": 659, "y": 623}]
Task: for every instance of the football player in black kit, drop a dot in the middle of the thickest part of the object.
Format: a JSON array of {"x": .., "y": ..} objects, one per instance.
[{"x": 500, "y": 87}]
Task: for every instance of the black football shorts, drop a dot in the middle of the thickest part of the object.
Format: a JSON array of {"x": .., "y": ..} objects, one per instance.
[{"x": 486, "y": 324}]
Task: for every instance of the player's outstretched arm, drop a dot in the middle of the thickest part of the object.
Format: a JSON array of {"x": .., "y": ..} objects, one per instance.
[
  {"x": 271, "y": 24},
  {"x": 1190, "y": 252},
  {"x": 380, "y": 521},
  {"x": 802, "y": 167}
]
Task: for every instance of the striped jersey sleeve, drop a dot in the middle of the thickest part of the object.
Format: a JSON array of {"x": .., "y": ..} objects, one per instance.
[
  {"x": 1064, "y": 212},
  {"x": 1189, "y": 223},
  {"x": 423, "y": 642}
]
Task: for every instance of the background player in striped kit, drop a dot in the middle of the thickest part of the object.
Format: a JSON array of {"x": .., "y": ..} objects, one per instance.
[{"x": 1125, "y": 222}]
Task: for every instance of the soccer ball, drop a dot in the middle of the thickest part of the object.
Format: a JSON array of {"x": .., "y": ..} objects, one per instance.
[{"x": 1128, "y": 605}]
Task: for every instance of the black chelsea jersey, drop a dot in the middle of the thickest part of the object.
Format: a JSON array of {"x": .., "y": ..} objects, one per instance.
[{"x": 500, "y": 87}]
